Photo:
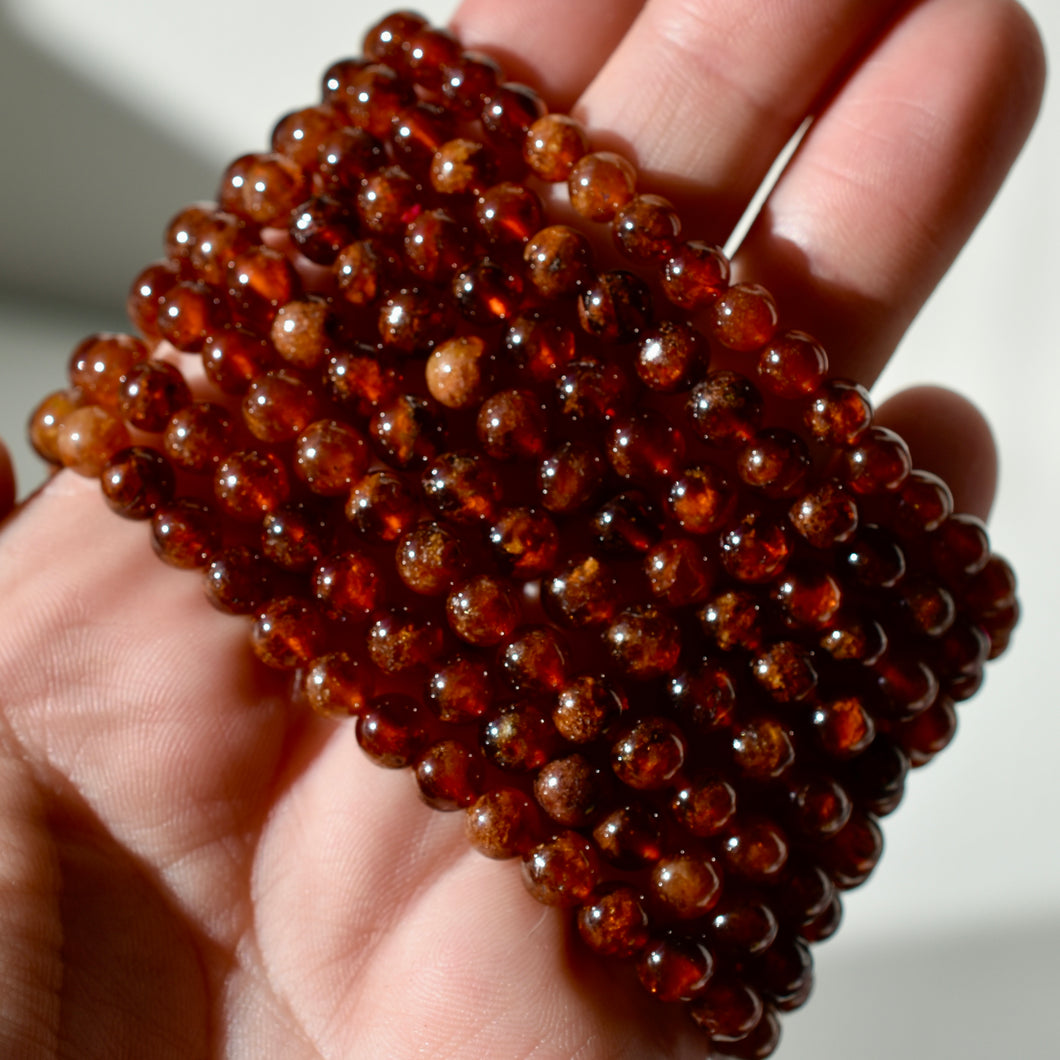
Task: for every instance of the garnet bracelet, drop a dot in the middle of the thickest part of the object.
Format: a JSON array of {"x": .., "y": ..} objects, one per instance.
[{"x": 575, "y": 528}]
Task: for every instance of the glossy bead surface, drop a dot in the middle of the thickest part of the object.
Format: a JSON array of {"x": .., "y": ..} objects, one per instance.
[
  {"x": 562, "y": 871},
  {"x": 649, "y": 754},
  {"x": 553, "y": 145},
  {"x": 613, "y": 921},
  {"x": 502, "y": 823}
]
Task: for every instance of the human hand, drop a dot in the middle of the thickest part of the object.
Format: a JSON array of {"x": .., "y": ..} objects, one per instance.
[{"x": 193, "y": 868}]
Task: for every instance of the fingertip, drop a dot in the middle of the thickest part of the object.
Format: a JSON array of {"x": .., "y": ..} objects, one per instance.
[{"x": 949, "y": 436}]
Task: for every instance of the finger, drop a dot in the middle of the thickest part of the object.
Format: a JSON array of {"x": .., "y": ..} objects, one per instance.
[
  {"x": 704, "y": 96},
  {"x": 890, "y": 182},
  {"x": 555, "y": 45},
  {"x": 948, "y": 435},
  {"x": 7, "y": 482}
]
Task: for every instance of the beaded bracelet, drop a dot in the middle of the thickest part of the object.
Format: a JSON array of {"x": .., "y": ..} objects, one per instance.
[{"x": 603, "y": 555}]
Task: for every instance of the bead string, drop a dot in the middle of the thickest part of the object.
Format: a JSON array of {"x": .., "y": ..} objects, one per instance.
[{"x": 670, "y": 632}]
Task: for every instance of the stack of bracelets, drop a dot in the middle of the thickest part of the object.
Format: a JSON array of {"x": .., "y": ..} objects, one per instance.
[{"x": 604, "y": 555}]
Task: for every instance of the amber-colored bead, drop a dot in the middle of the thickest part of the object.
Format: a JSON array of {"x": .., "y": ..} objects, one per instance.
[
  {"x": 401, "y": 639},
  {"x": 406, "y": 431},
  {"x": 585, "y": 707},
  {"x": 786, "y": 671},
  {"x": 386, "y": 41},
  {"x": 959, "y": 547},
  {"x": 535, "y": 660},
  {"x": 512, "y": 425},
  {"x": 502, "y": 823},
  {"x": 754, "y": 848},
  {"x": 237, "y": 581},
  {"x": 346, "y": 158},
  {"x": 508, "y": 214},
  {"x": 755, "y": 548},
  {"x": 820, "y": 807},
  {"x": 509, "y": 112},
  {"x": 927, "y": 606},
  {"x": 364, "y": 269},
  {"x": 197, "y": 436},
  {"x": 581, "y": 593},
  {"x": 460, "y": 689},
  {"x": 613, "y": 921},
  {"x": 330, "y": 456},
  {"x": 807, "y": 599},
  {"x": 100, "y": 364},
  {"x": 553, "y": 144},
  {"x": 540, "y": 348},
  {"x": 743, "y": 925},
  {"x": 728, "y": 1009},
  {"x": 46, "y": 420},
  {"x": 337, "y": 80},
  {"x": 825, "y": 924},
  {"x": 838, "y": 413},
  {"x": 562, "y": 871},
  {"x": 675, "y": 969},
  {"x": 644, "y": 641},
  {"x": 449, "y": 775},
  {"x": 775, "y": 461},
  {"x": 216, "y": 242},
  {"x": 558, "y": 261},
  {"x": 627, "y": 524},
  {"x": 430, "y": 558},
  {"x": 151, "y": 393},
  {"x": 761, "y": 1042},
  {"x": 300, "y": 134},
  {"x": 629, "y": 837},
  {"x": 185, "y": 533},
  {"x": 288, "y": 632},
  {"x": 458, "y": 371},
  {"x": 744, "y": 317},
  {"x": 600, "y": 184},
  {"x": 376, "y": 94},
  {"x": 825, "y": 516},
  {"x": 615, "y": 306},
  {"x": 88, "y": 438},
  {"x": 908, "y": 684},
  {"x": 844, "y": 726},
  {"x": 320, "y": 227},
  {"x": 349, "y": 583},
  {"x": 873, "y": 558},
  {"x": 668, "y": 354},
  {"x": 733, "y": 619},
  {"x": 387, "y": 201},
  {"x": 645, "y": 446},
  {"x": 293, "y": 537},
  {"x": 879, "y": 461},
  {"x": 410, "y": 320},
  {"x": 694, "y": 274},
  {"x": 784, "y": 974},
  {"x": 520, "y": 738},
  {"x": 646, "y": 228},
  {"x": 704, "y": 805},
  {"x": 569, "y": 790},
  {"x": 427, "y": 52},
  {"x": 483, "y": 611},
  {"x": 390, "y": 730},
  {"x": 930, "y": 732},
  {"x": 487, "y": 291},
  {"x": 435, "y": 246},
  {"x": 792, "y": 366},
  {"x": 260, "y": 280},
  {"x": 263, "y": 188},
  {"x": 137, "y": 481},
  {"x": 382, "y": 506},
  {"x": 593, "y": 391},
  {"x": 685, "y": 886},
  {"x": 145, "y": 296},
  {"x": 465, "y": 488},
  {"x": 725, "y": 409},
  {"x": 338, "y": 686},
  {"x": 922, "y": 503},
  {"x": 250, "y": 483},
  {"x": 649, "y": 754},
  {"x": 804, "y": 890},
  {"x": 991, "y": 592},
  {"x": 762, "y": 748},
  {"x": 469, "y": 81},
  {"x": 360, "y": 380},
  {"x": 876, "y": 778},
  {"x": 700, "y": 498},
  {"x": 278, "y": 406},
  {"x": 462, "y": 167},
  {"x": 678, "y": 571},
  {"x": 705, "y": 695},
  {"x": 525, "y": 542},
  {"x": 851, "y": 855},
  {"x": 569, "y": 477},
  {"x": 851, "y": 637},
  {"x": 233, "y": 357},
  {"x": 418, "y": 131}
]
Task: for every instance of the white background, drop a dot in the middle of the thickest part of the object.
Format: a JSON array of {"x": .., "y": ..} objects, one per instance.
[{"x": 117, "y": 113}]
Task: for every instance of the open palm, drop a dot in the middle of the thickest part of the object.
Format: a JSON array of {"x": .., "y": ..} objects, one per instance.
[{"x": 192, "y": 866}]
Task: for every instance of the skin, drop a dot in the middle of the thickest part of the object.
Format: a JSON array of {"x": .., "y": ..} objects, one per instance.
[{"x": 190, "y": 866}]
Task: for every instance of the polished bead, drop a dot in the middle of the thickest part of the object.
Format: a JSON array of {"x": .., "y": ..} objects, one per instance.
[
  {"x": 792, "y": 366},
  {"x": 784, "y": 973},
  {"x": 411, "y": 320},
  {"x": 807, "y": 599},
  {"x": 762, "y": 748},
  {"x": 873, "y": 558},
  {"x": 435, "y": 246},
  {"x": 234, "y": 357},
  {"x": 613, "y": 921},
  {"x": 349, "y": 584},
  {"x": 851, "y": 855},
  {"x": 184, "y": 533},
  {"x": 804, "y": 890},
  {"x": 593, "y": 392},
  {"x": 586, "y": 706},
  {"x": 387, "y": 40},
  {"x": 402, "y": 639},
  {"x": 197, "y": 437},
  {"x": 927, "y": 606},
  {"x": 427, "y": 52},
  {"x": 338, "y": 686},
  {"x": 469, "y": 81},
  {"x": 600, "y": 184},
  {"x": 89, "y": 438},
  {"x": 535, "y": 659},
  {"x": 460, "y": 689},
  {"x": 250, "y": 483},
  {"x": 820, "y": 807},
  {"x": 508, "y": 214},
  {"x": 463, "y": 487},
  {"x": 151, "y": 392},
  {"x": 704, "y": 695},
  {"x": 744, "y": 317},
  {"x": 553, "y": 144},
  {"x": 562, "y": 871},
  {"x": 510, "y": 110},
  {"x": 930, "y": 732},
  {"x": 458, "y": 371},
  {"x": 512, "y": 425},
  {"x": 959, "y": 547},
  {"x": 674, "y": 969},
  {"x": 390, "y": 730},
  {"x": 615, "y": 306},
  {"x": 237, "y": 581},
  {"x": 137, "y": 481},
  {"x": 755, "y": 548},
  {"x": 558, "y": 261},
  {"x": 364, "y": 270},
  {"x": 700, "y": 498},
  {"x": 570, "y": 477},
  {"x": 776, "y": 462},
  {"x": 694, "y": 274},
  {"x": 581, "y": 593},
  {"x": 449, "y": 775},
  {"x": 668, "y": 355},
  {"x": 843, "y": 726},
  {"x": 761, "y": 1042},
  {"x": 704, "y": 805},
  {"x": 300, "y": 134},
  {"x": 387, "y": 201},
  {"x": 417, "y": 132},
  {"x": 826, "y": 515},
  {"x": 288, "y": 632},
  {"x": 879, "y": 461},
  {"x": 645, "y": 447},
  {"x": 569, "y": 790},
  {"x": 728, "y": 1009},
  {"x": 725, "y": 409},
  {"x": 320, "y": 227},
  {"x": 46, "y": 420},
  {"x": 382, "y": 506},
  {"x": 678, "y": 571},
  {"x": 407, "y": 431},
  {"x": 991, "y": 591},
  {"x": 487, "y": 291},
  {"x": 502, "y": 823},
  {"x": 374, "y": 96},
  {"x": 685, "y": 886},
  {"x": 744, "y": 925},
  {"x": 263, "y": 188},
  {"x": 644, "y": 641},
  {"x": 361, "y": 380},
  {"x": 907, "y": 683},
  {"x": 278, "y": 406},
  {"x": 649, "y": 754},
  {"x": 786, "y": 671},
  {"x": 838, "y": 413},
  {"x": 483, "y": 611},
  {"x": 733, "y": 619},
  {"x": 825, "y": 924},
  {"x": 330, "y": 456},
  {"x": 922, "y": 503},
  {"x": 851, "y": 637},
  {"x": 646, "y": 228},
  {"x": 541, "y": 348},
  {"x": 430, "y": 558},
  {"x": 629, "y": 837},
  {"x": 462, "y": 167},
  {"x": 293, "y": 537},
  {"x": 520, "y": 738},
  {"x": 100, "y": 364},
  {"x": 260, "y": 280},
  {"x": 754, "y": 848},
  {"x": 876, "y": 778},
  {"x": 525, "y": 542}
]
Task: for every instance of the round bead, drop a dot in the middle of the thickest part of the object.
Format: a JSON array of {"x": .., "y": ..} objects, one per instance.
[
  {"x": 430, "y": 558},
  {"x": 558, "y": 261},
  {"x": 754, "y": 848},
  {"x": 287, "y": 633},
  {"x": 184, "y": 533},
  {"x": 569, "y": 477},
  {"x": 629, "y": 837},
  {"x": 668, "y": 354},
  {"x": 792, "y": 366},
  {"x": 47, "y": 419},
  {"x": 137, "y": 481},
  {"x": 600, "y": 184},
  {"x": 338, "y": 686},
  {"x": 483, "y": 611},
  {"x": 390, "y": 730},
  {"x": 449, "y": 775},
  {"x": 151, "y": 393},
  {"x": 520, "y": 738},
  {"x": 581, "y": 593},
  {"x": 838, "y": 413},
  {"x": 512, "y": 425},
  {"x": 535, "y": 660},
  {"x": 586, "y": 706},
  {"x": 755, "y": 548},
  {"x": 562, "y": 871},
  {"x": 762, "y": 749},
  {"x": 613, "y": 921},
  {"x": 704, "y": 805},
  {"x": 349, "y": 584},
  {"x": 330, "y": 456},
  {"x": 705, "y": 695},
  {"x": 553, "y": 144},
  {"x": 614, "y": 306},
  {"x": 675, "y": 969},
  {"x": 646, "y": 228},
  {"x": 100, "y": 365},
  {"x": 695, "y": 274},
  {"x": 89, "y": 438},
  {"x": 744, "y": 317},
  {"x": 725, "y": 409},
  {"x": 401, "y": 639},
  {"x": 644, "y": 641},
  {"x": 649, "y": 754},
  {"x": 685, "y": 886},
  {"x": 237, "y": 581},
  {"x": 700, "y": 498},
  {"x": 458, "y": 370},
  {"x": 382, "y": 506},
  {"x": 525, "y": 542},
  {"x": 465, "y": 488},
  {"x": 502, "y": 823},
  {"x": 460, "y": 690},
  {"x": 569, "y": 790},
  {"x": 250, "y": 483}
]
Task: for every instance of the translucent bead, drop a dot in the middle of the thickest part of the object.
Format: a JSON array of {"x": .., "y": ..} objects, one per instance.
[
  {"x": 775, "y": 461},
  {"x": 260, "y": 280},
  {"x": 464, "y": 488},
  {"x": 907, "y": 683},
  {"x": 725, "y": 409},
  {"x": 754, "y": 848},
  {"x": 704, "y": 695},
  {"x": 873, "y": 558},
  {"x": 387, "y": 40},
  {"x": 320, "y": 227},
  {"x": 462, "y": 167},
  {"x": 593, "y": 392},
  {"x": 525, "y": 542},
  {"x": 406, "y": 432},
  {"x": 558, "y": 261},
  {"x": 927, "y": 606},
  {"x": 876, "y": 780},
  {"x": 644, "y": 641},
  {"x": 569, "y": 790},
  {"x": 851, "y": 637},
  {"x": 629, "y": 837},
  {"x": 100, "y": 364},
  {"x": 46, "y": 420},
  {"x": 804, "y": 891},
  {"x": 237, "y": 581},
  {"x": 646, "y": 228},
  {"x": 198, "y": 436},
  {"x": 346, "y": 158},
  {"x": 502, "y": 823},
  {"x": 627, "y": 525},
  {"x": 508, "y": 214},
  {"x": 364, "y": 270},
  {"x": 382, "y": 506},
  {"x": 250, "y": 483},
  {"x": 458, "y": 371},
  {"x": 483, "y": 611},
  {"x": 435, "y": 246},
  {"x": 930, "y": 732},
  {"x": 358, "y": 379},
  {"x": 145, "y": 296},
  {"x": 851, "y": 855},
  {"x": 808, "y": 599},
  {"x": 744, "y": 317},
  {"x": 541, "y": 348},
  {"x": 189, "y": 314},
  {"x": 674, "y": 969},
  {"x": 785, "y": 973},
  {"x": 349, "y": 584},
  {"x": 418, "y": 131},
  {"x": 685, "y": 886},
  {"x": 300, "y": 134},
  {"x": 401, "y": 639},
  {"x": 838, "y": 413},
  {"x": 700, "y": 498},
  {"x": 586, "y": 706},
  {"x": 88, "y": 439},
  {"x": 469, "y": 81},
  {"x": 843, "y": 726},
  {"x": 762, "y": 749},
  {"x": 704, "y": 805},
  {"x": 387, "y": 200},
  {"x": 581, "y": 593},
  {"x": 569, "y": 477},
  {"x": 487, "y": 291},
  {"x": 678, "y": 571},
  {"x": 185, "y": 533},
  {"x": 375, "y": 96},
  {"x": 959, "y": 547},
  {"x": 991, "y": 590},
  {"x": 137, "y": 481},
  {"x": 922, "y": 503},
  {"x": 562, "y": 871},
  {"x": 263, "y": 188},
  {"x": 460, "y": 689},
  {"x": 879, "y": 461},
  {"x": 650, "y": 754},
  {"x": 755, "y": 548},
  {"x": 234, "y": 357},
  {"x": 411, "y": 320},
  {"x": 278, "y": 406},
  {"x": 600, "y": 184},
  {"x": 733, "y": 620},
  {"x": 512, "y": 425},
  {"x": 820, "y": 807},
  {"x": 520, "y": 738},
  {"x": 288, "y": 632},
  {"x": 427, "y": 52},
  {"x": 151, "y": 393},
  {"x": 615, "y": 306},
  {"x": 338, "y": 686},
  {"x": 668, "y": 354},
  {"x": 786, "y": 671},
  {"x": 553, "y": 144},
  {"x": 645, "y": 447},
  {"x": 792, "y": 366},
  {"x": 825, "y": 516},
  {"x": 743, "y": 926},
  {"x": 330, "y": 456},
  {"x": 390, "y": 730},
  {"x": 293, "y": 537},
  {"x": 613, "y": 922},
  {"x": 430, "y": 558},
  {"x": 695, "y": 274},
  {"x": 535, "y": 660},
  {"x": 509, "y": 112},
  {"x": 449, "y": 775},
  {"x": 728, "y": 1010}
]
